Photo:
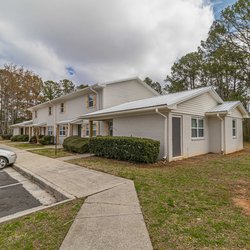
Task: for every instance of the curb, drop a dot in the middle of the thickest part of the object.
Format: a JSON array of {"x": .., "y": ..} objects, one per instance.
[{"x": 55, "y": 191}]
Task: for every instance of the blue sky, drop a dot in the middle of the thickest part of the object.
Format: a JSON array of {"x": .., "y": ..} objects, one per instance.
[{"x": 219, "y": 5}]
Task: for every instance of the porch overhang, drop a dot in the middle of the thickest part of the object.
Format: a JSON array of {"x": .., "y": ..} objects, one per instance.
[
  {"x": 110, "y": 115},
  {"x": 71, "y": 121},
  {"x": 42, "y": 124}
]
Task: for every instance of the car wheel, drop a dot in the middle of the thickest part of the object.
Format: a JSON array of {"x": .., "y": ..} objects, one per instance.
[{"x": 3, "y": 162}]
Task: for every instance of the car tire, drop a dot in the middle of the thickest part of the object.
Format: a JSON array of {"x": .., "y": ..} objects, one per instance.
[{"x": 3, "y": 162}]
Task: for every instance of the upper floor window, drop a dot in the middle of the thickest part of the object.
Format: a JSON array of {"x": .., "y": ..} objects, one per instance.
[
  {"x": 35, "y": 113},
  {"x": 50, "y": 110},
  {"x": 197, "y": 128},
  {"x": 234, "y": 127},
  {"x": 62, "y": 107},
  {"x": 91, "y": 100}
]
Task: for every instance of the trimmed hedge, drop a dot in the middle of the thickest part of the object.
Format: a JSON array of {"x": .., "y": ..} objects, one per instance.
[
  {"x": 76, "y": 144},
  {"x": 47, "y": 140},
  {"x": 19, "y": 138},
  {"x": 33, "y": 139},
  {"x": 6, "y": 136},
  {"x": 125, "y": 148}
]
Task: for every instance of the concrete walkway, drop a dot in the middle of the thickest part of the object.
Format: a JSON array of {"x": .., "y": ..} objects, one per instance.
[{"x": 110, "y": 217}]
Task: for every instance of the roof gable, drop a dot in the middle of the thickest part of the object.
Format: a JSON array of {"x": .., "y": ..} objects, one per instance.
[{"x": 167, "y": 101}]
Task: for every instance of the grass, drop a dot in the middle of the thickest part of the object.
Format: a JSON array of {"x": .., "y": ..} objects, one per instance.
[
  {"x": 50, "y": 152},
  {"x": 21, "y": 145},
  {"x": 41, "y": 230},
  {"x": 189, "y": 204}
]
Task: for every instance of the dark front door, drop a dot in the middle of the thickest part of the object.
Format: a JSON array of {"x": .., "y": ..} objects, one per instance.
[
  {"x": 79, "y": 129},
  {"x": 176, "y": 136}
]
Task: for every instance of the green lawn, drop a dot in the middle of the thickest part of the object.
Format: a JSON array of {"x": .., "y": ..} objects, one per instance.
[
  {"x": 50, "y": 152},
  {"x": 21, "y": 145},
  {"x": 41, "y": 230},
  {"x": 190, "y": 204}
]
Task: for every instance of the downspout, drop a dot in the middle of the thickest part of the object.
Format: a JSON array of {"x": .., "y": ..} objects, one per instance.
[
  {"x": 165, "y": 132},
  {"x": 222, "y": 133}
]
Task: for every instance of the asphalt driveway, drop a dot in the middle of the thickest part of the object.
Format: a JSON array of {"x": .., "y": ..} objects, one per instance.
[{"x": 13, "y": 197}]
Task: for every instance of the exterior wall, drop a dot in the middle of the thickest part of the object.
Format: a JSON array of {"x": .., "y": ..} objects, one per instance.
[
  {"x": 43, "y": 116},
  {"x": 215, "y": 134},
  {"x": 233, "y": 144},
  {"x": 118, "y": 93},
  {"x": 197, "y": 105},
  {"x": 16, "y": 131},
  {"x": 190, "y": 146},
  {"x": 147, "y": 126}
]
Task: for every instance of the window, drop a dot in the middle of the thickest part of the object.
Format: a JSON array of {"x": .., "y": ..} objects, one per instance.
[
  {"x": 94, "y": 129},
  {"x": 50, "y": 130},
  {"x": 35, "y": 113},
  {"x": 110, "y": 128},
  {"x": 87, "y": 130},
  {"x": 234, "y": 127},
  {"x": 50, "y": 110},
  {"x": 197, "y": 128},
  {"x": 91, "y": 100},
  {"x": 62, "y": 130},
  {"x": 62, "y": 108}
]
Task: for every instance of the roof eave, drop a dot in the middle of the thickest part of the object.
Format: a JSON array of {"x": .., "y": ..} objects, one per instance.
[{"x": 124, "y": 112}]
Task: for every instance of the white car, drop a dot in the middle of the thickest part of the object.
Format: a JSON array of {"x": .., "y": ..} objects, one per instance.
[{"x": 7, "y": 157}]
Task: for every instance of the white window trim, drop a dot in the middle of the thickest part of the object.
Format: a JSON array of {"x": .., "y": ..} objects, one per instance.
[
  {"x": 62, "y": 130},
  {"x": 50, "y": 130},
  {"x": 197, "y": 128},
  {"x": 61, "y": 107},
  {"x": 87, "y": 130},
  {"x": 50, "y": 111},
  {"x": 234, "y": 128},
  {"x": 92, "y": 106}
]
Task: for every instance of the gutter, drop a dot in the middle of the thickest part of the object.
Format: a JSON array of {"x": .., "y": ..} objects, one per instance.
[
  {"x": 222, "y": 133},
  {"x": 165, "y": 131}
]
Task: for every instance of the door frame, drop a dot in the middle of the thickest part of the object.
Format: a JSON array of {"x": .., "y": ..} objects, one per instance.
[{"x": 181, "y": 135}]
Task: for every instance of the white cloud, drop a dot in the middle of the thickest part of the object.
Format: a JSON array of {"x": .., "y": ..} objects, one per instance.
[{"x": 101, "y": 40}]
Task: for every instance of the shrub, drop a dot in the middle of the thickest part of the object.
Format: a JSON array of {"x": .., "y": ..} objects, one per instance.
[
  {"x": 76, "y": 144},
  {"x": 6, "y": 136},
  {"x": 47, "y": 140},
  {"x": 33, "y": 139},
  {"x": 20, "y": 138},
  {"x": 125, "y": 148}
]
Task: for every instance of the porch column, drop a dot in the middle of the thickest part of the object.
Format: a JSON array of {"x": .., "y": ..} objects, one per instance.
[
  {"x": 90, "y": 128},
  {"x": 29, "y": 132},
  {"x": 69, "y": 128}
]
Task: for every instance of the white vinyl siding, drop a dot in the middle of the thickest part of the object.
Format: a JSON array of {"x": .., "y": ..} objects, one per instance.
[{"x": 197, "y": 105}]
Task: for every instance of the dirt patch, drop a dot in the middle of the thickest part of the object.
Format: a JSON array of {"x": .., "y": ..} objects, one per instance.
[
  {"x": 243, "y": 203},
  {"x": 242, "y": 193}
]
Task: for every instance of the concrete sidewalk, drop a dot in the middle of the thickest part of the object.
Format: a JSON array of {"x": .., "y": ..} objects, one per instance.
[{"x": 110, "y": 217}]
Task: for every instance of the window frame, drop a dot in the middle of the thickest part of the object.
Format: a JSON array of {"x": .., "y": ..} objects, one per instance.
[
  {"x": 50, "y": 130},
  {"x": 62, "y": 130},
  {"x": 94, "y": 130},
  {"x": 62, "y": 107},
  {"x": 50, "y": 110},
  {"x": 234, "y": 128},
  {"x": 198, "y": 128},
  {"x": 87, "y": 130},
  {"x": 91, "y": 100}
]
